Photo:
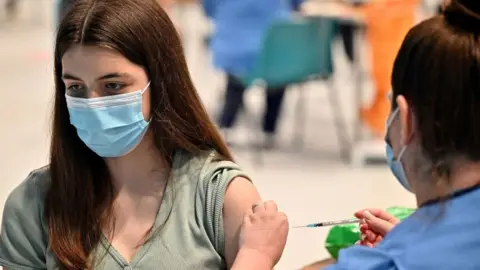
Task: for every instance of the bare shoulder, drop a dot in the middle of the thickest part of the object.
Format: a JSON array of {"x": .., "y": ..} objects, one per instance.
[{"x": 241, "y": 189}]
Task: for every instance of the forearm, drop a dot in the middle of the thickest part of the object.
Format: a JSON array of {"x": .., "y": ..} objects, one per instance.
[{"x": 251, "y": 260}]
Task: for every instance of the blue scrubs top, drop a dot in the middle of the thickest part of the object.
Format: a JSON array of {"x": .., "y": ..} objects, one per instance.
[
  {"x": 240, "y": 26},
  {"x": 438, "y": 236}
]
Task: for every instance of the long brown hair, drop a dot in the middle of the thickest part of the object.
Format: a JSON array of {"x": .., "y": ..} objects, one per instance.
[
  {"x": 81, "y": 192},
  {"x": 437, "y": 70}
]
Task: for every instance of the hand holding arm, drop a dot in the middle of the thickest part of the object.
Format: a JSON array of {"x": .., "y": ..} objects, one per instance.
[{"x": 262, "y": 238}]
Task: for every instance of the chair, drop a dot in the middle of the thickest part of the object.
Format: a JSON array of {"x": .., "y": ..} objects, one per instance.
[{"x": 295, "y": 52}]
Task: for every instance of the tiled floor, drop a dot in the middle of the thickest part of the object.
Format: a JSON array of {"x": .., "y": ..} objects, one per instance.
[{"x": 310, "y": 184}]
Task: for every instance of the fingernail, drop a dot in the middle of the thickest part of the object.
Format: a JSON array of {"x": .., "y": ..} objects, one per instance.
[
  {"x": 363, "y": 236},
  {"x": 368, "y": 215}
]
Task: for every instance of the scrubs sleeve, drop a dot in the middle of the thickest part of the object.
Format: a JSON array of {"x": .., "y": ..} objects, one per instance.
[
  {"x": 23, "y": 239},
  {"x": 363, "y": 258},
  {"x": 209, "y": 7},
  {"x": 296, "y": 4}
]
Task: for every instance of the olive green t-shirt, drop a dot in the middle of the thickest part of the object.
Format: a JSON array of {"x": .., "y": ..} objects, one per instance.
[{"x": 189, "y": 223}]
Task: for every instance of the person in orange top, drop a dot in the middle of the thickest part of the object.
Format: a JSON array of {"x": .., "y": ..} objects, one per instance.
[{"x": 388, "y": 22}]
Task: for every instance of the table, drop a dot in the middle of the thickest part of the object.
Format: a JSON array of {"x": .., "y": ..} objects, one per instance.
[
  {"x": 332, "y": 9},
  {"x": 360, "y": 149}
]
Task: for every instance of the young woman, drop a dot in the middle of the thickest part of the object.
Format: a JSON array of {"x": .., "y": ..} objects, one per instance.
[
  {"x": 139, "y": 177},
  {"x": 433, "y": 148}
]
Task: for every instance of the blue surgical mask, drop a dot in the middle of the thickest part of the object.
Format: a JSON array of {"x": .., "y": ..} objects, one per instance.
[
  {"x": 395, "y": 164},
  {"x": 110, "y": 126}
]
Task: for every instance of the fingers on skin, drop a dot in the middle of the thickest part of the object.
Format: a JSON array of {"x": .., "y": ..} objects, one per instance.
[
  {"x": 283, "y": 216},
  {"x": 258, "y": 207},
  {"x": 271, "y": 206},
  {"x": 286, "y": 224},
  {"x": 248, "y": 217}
]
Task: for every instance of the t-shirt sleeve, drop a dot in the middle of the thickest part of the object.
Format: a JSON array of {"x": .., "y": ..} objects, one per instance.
[
  {"x": 22, "y": 239},
  {"x": 363, "y": 258},
  {"x": 215, "y": 180}
]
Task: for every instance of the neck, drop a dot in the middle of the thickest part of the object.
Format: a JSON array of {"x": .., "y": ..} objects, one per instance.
[
  {"x": 142, "y": 171},
  {"x": 463, "y": 175}
]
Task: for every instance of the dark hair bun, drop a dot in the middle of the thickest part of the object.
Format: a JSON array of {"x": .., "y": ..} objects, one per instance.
[{"x": 464, "y": 14}]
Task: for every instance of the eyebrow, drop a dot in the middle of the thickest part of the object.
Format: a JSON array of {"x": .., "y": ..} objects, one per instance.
[{"x": 67, "y": 76}]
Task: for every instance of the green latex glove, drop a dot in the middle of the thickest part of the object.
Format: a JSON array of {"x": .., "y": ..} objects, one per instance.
[{"x": 343, "y": 236}]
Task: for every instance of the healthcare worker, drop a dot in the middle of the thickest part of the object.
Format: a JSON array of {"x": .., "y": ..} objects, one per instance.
[
  {"x": 433, "y": 149},
  {"x": 240, "y": 27}
]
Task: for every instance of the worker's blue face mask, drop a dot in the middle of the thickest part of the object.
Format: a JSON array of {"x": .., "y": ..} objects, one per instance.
[
  {"x": 395, "y": 164},
  {"x": 110, "y": 126}
]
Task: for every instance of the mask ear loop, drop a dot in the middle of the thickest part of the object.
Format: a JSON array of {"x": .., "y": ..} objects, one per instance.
[
  {"x": 392, "y": 117},
  {"x": 143, "y": 91},
  {"x": 404, "y": 148},
  {"x": 389, "y": 123},
  {"x": 402, "y": 152},
  {"x": 146, "y": 87}
]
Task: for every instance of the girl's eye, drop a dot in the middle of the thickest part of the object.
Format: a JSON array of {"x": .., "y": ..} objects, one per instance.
[
  {"x": 75, "y": 90},
  {"x": 75, "y": 87},
  {"x": 114, "y": 86}
]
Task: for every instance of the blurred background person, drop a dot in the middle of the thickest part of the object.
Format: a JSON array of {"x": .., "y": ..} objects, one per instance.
[
  {"x": 61, "y": 9},
  {"x": 11, "y": 8},
  {"x": 239, "y": 30},
  {"x": 388, "y": 22},
  {"x": 347, "y": 31}
]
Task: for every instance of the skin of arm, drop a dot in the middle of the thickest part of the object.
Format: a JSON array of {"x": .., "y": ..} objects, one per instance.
[
  {"x": 240, "y": 196},
  {"x": 251, "y": 260}
]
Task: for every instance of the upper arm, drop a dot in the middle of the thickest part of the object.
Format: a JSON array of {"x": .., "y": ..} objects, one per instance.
[
  {"x": 241, "y": 194},
  {"x": 22, "y": 241},
  {"x": 227, "y": 194}
]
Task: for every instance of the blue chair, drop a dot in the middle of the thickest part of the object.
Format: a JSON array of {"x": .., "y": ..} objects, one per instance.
[{"x": 295, "y": 52}]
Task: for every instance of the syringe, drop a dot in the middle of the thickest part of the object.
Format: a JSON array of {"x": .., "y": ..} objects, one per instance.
[{"x": 329, "y": 223}]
